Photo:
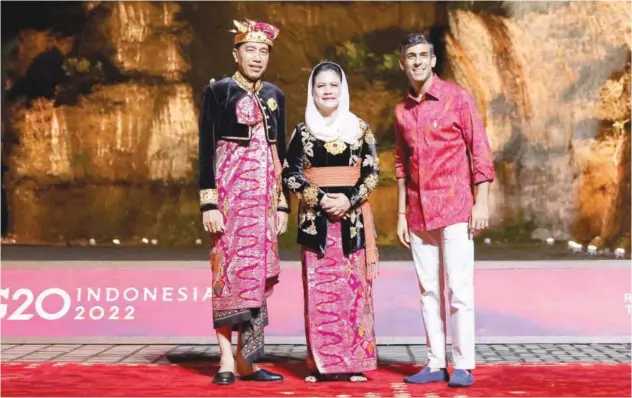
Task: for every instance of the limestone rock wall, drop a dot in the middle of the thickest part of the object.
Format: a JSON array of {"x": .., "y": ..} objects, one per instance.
[
  {"x": 553, "y": 82},
  {"x": 92, "y": 168},
  {"x": 110, "y": 149}
]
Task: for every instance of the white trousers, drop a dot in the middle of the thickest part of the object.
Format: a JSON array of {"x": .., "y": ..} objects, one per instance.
[{"x": 450, "y": 250}]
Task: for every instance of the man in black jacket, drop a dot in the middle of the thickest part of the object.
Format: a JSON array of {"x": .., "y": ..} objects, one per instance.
[{"x": 243, "y": 203}]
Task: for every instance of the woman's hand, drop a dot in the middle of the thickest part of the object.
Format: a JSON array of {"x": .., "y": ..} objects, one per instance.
[{"x": 335, "y": 204}]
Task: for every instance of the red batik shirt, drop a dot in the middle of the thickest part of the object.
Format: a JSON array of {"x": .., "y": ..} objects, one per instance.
[{"x": 442, "y": 151}]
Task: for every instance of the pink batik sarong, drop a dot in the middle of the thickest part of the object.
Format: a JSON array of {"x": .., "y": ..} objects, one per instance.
[
  {"x": 244, "y": 257},
  {"x": 338, "y": 309}
]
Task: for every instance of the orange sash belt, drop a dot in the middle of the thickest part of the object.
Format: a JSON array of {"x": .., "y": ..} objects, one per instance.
[{"x": 341, "y": 176}]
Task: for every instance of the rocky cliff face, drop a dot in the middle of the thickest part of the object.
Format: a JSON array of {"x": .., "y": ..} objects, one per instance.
[
  {"x": 554, "y": 84},
  {"x": 93, "y": 165},
  {"x": 111, "y": 151}
]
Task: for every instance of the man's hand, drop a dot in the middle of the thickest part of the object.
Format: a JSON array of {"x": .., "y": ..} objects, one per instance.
[
  {"x": 335, "y": 204},
  {"x": 402, "y": 231},
  {"x": 213, "y": 221},
  {"x": 479, "y": 219},
  {"x": 281, "y": 222}
]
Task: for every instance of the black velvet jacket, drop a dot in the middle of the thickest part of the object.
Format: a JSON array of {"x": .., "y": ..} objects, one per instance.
[
  {"x": 218, "y": 121},
  {"x": 306, "y": 151}
]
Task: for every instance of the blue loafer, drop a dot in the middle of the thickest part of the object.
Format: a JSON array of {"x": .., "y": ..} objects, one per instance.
[
  {"x": 426, "y": 376},
  {"x": 461, "y": 378}
]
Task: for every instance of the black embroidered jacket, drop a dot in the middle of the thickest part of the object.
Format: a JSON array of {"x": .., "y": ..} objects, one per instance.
[
  {"x": 306, "y": 151},
  {"x": 218, "y": 121}
]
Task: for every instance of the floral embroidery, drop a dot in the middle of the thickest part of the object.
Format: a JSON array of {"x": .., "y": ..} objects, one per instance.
[
  {"x": 308, "y": 148},
  {"x": 272, "y": 105},
  {"x": 368, "y": 161},
  {"x": 310, "y": 214},
  {"x": 308, "y": 217},
  {"x": 369, "y": 138},
  {"x": 335, "y": 147},
  {"x": 285, "y": 164},
  {"x": 371, "y": 181},
  {"x": 292, "y": 183},
  {"x": 363, "y": 192},
  {"x": 354, "y": 232},
  {"x": 307, "y": 136},
  {"x": 310, "y": 195},
  {"x": 353, "y": 216},
  {"x": 311, "y": 230}
]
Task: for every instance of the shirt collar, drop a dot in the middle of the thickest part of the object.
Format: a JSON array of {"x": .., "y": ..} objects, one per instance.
[
  {"x": 246, "y": 84},
  {"x": 434, "y": 90}
]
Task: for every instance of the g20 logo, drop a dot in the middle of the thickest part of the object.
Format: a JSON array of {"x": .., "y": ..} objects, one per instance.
[{"x": 21, "y": 313}]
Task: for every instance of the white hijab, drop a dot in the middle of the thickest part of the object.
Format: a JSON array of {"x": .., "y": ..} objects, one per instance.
[{"x": 342, "y": 124}]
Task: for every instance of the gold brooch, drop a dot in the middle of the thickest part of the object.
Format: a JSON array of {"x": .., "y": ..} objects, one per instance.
[
  {"x": 272, "y": 104},
  {"x": 335, "y": 147}
]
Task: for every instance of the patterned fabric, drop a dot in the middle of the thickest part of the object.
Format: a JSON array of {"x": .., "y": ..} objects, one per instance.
[
  {"x": 248, "y": 111},
  {"x": 307, "y": 152},
  {"x": 338, "y": 309},
  {"x": 250, "y": 323},
  {"x": 226, "y": 116},
  {"x": 244, "y": 258},
  {"x": 442, "y": 150}
]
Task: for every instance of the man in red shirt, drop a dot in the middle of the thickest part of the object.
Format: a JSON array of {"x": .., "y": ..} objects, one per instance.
[{"x": 443, "y": 167}]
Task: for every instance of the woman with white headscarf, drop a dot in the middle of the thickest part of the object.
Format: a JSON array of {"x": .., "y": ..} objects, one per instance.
[{"x": 332, "y": 167}]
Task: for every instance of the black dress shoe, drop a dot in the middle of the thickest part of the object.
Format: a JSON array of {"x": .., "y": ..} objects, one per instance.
[
  {"x": 224, "y": 378},
  {"x": 262, "y": 375}
]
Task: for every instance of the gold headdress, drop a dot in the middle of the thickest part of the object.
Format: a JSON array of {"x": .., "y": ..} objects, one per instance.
[{"x": 257, "y": 32}]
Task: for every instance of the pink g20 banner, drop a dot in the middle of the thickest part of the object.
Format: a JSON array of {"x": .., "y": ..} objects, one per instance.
[{"x": 167, "y": 302}]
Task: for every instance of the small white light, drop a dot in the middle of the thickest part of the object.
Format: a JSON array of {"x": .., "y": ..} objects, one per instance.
[
  {"x": 571, "y": 244},
  {"x": 198, "y": 241},
  {"x": 619, "y": 252},
  {"x": 145, "y": 241},
  {"x": 92, "y": 242},
  {"x": 154, "y": 242},
  {"x": 116, "y": 241},
  {"x": 550, "y": 241},
  {"x": 575, "y": 247},
  {"x": 592, "y": 250},
  {"x": 487, "y": 241}
]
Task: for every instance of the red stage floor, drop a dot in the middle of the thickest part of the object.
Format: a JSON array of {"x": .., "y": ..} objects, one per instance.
[{"x": 519, "y": 380}]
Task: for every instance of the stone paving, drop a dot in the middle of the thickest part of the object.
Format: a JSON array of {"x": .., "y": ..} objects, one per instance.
[
  {"x": 109, "y": 253},
  {"x": 139, "y": 354}
]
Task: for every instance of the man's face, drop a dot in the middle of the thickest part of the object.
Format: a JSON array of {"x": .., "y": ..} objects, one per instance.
[
  {"x": 417, "y": 62},
  {"x": 252, "y": 59}
]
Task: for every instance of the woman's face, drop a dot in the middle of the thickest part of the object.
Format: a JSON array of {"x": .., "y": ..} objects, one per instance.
[{"x": 326, "y": 92}]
